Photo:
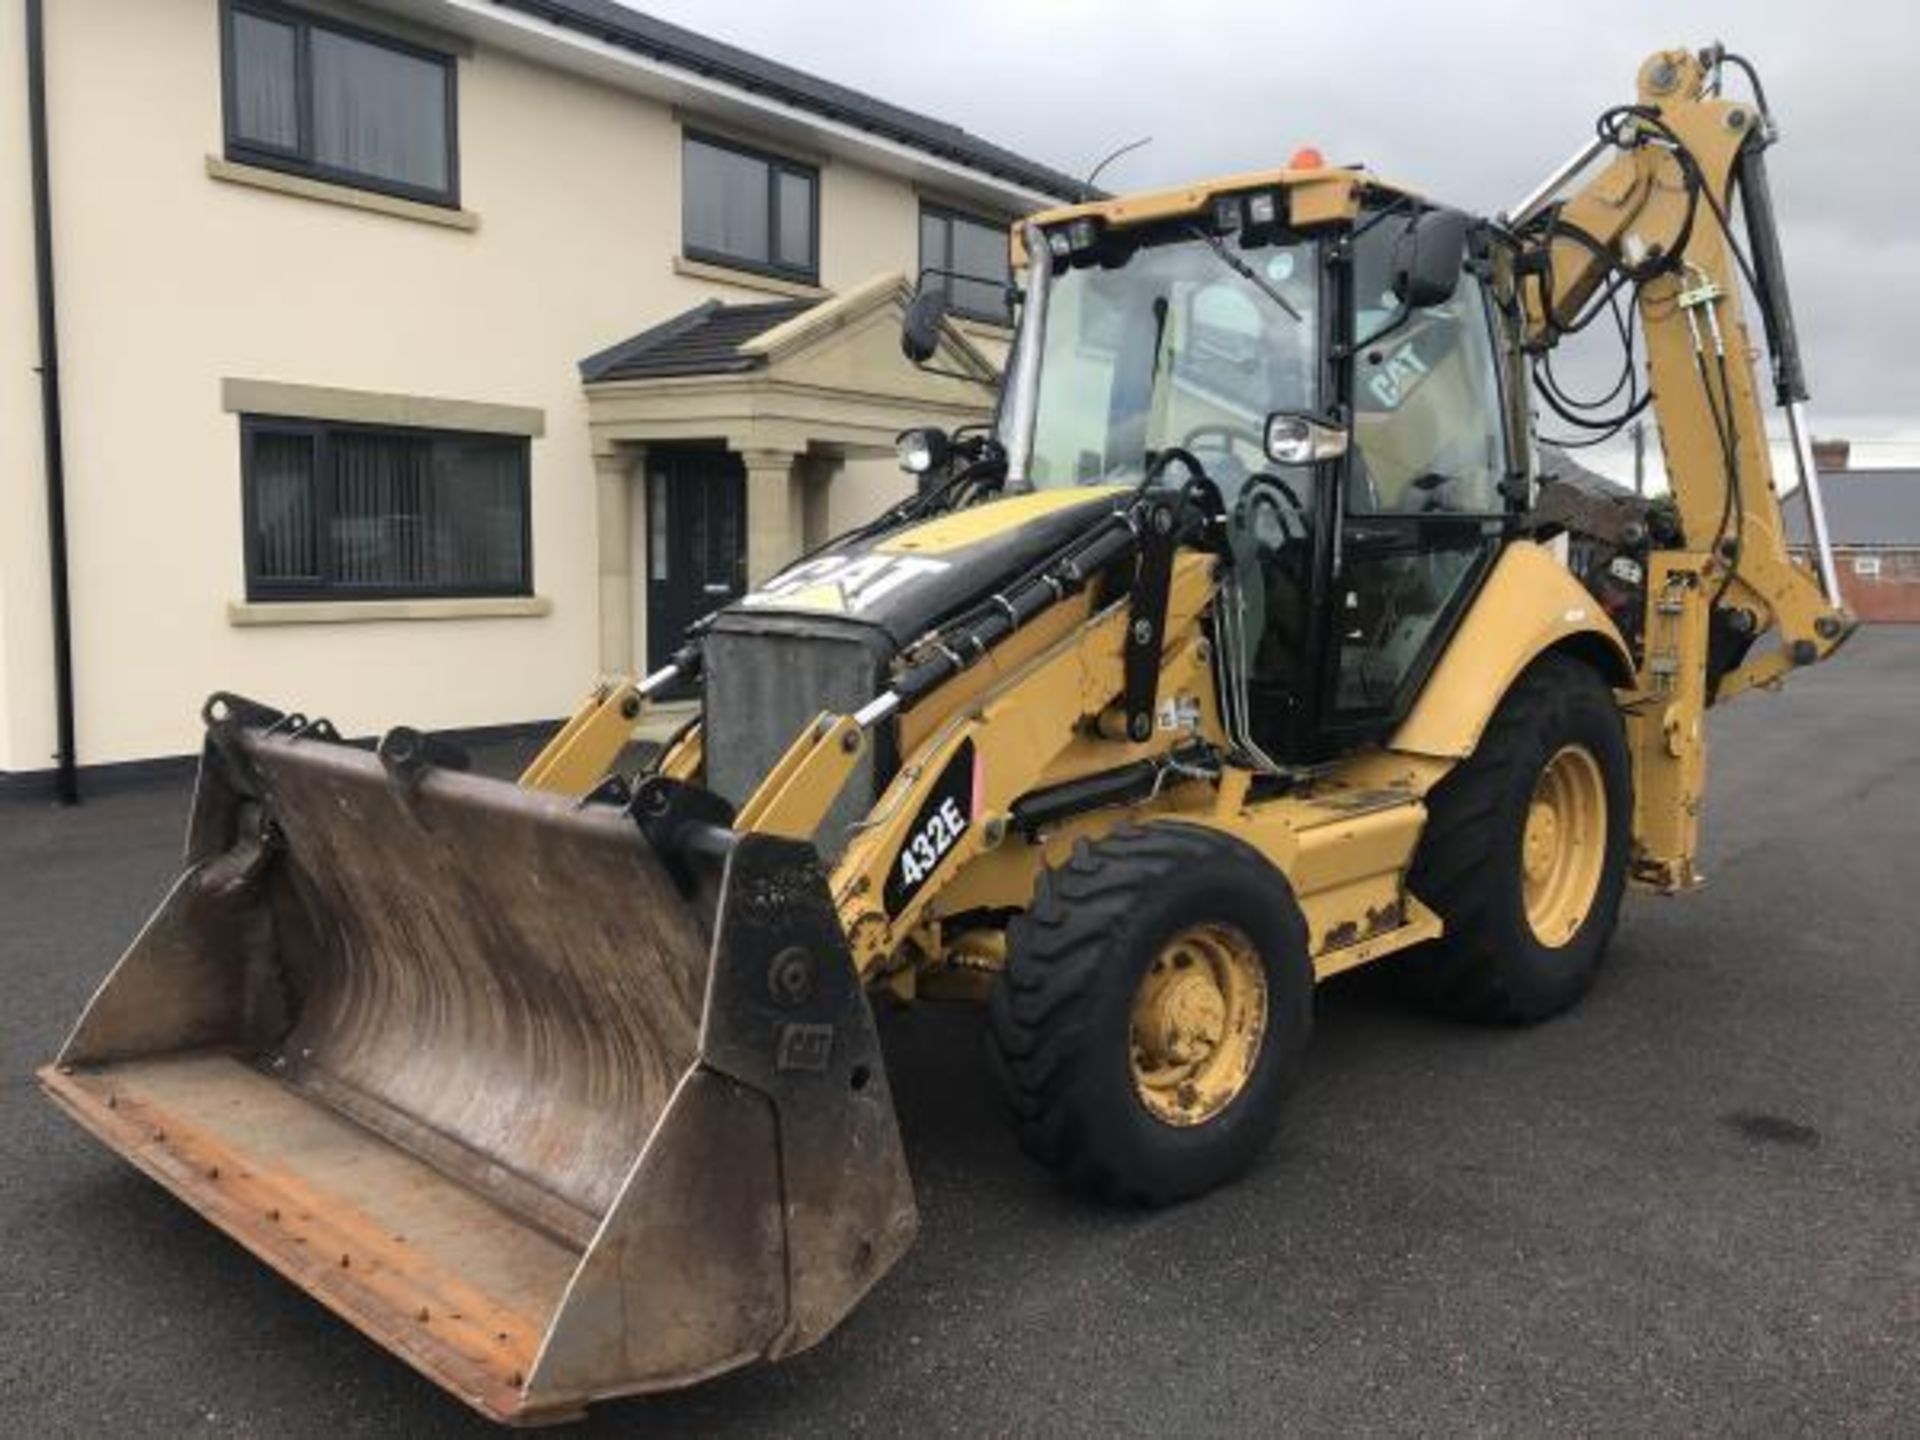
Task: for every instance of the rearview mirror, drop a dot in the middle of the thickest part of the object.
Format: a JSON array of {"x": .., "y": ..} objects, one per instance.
[
  {"x": 1294, "y": 439},
  {"x": 920, "y": 330},
  {"x": 1428, "y": 257}
]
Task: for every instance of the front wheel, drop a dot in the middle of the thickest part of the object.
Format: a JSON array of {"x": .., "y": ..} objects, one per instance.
[
  {"x": 1153, "y": 1013},
  {"x": 1525, "y": 852}
]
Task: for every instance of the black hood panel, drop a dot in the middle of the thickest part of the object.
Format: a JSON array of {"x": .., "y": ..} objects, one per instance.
[{"x": 905, "y": 582}]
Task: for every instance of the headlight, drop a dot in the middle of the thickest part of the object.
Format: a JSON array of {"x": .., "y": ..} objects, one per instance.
[{"x": 921, "y": 450}]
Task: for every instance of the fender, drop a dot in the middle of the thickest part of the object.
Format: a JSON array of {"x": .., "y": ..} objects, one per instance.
[{"x": 1530, "y": 604}]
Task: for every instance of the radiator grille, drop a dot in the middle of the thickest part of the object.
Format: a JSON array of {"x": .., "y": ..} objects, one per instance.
[{"x": 763, "y": 686}]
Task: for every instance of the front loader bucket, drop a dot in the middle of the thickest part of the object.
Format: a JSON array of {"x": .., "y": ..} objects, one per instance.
[{"x": 550, "y": 1110}]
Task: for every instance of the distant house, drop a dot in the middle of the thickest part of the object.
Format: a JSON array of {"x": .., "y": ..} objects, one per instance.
[
  {"x": 421, "y": 359},
  {"x": 1873, "y": 519}
]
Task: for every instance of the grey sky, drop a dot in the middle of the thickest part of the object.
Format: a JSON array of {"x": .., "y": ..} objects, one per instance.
[{"x": 1472, "y": 101}]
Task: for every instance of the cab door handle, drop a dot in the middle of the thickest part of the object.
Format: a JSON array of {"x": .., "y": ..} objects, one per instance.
[{"x": 1352, "y": 534}]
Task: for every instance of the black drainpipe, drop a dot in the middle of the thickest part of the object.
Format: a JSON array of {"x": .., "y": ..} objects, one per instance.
[{"x": 67, "y": 778}]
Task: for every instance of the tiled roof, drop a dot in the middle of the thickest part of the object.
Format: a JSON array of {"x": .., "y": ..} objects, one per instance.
[
  {"x": 1864, "y": 507},
  {"x": 1559, "y": 465},
  {"x": 706, "y": 340},
  {"x": 616, "y": 25}
]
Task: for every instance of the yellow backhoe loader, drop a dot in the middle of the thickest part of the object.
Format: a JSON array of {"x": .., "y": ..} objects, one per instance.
[{"x": 1242, "y": 649}]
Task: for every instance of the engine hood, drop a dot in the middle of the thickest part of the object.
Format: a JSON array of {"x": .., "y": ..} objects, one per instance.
[{"x": 907, "y": 581}]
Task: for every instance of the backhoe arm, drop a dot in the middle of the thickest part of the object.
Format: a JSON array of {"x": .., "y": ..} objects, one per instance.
[{"x": 1656, "y": 219}]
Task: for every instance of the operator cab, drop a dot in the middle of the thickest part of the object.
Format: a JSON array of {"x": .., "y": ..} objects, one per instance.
[{"x": 1348, "y": 387}]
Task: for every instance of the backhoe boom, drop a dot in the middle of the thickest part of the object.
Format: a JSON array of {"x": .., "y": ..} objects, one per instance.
[{"x": 1657, "y": 219}]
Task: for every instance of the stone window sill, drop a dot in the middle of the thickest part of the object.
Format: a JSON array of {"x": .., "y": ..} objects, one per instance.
[
  {"x": 747, "y": 279},
  {"x": 261, "y": 178},
  {"x": 241, "y": 396},
  {"x": 339, "y": 612}
]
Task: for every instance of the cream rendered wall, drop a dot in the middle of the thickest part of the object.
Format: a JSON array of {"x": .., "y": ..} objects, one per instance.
[
  {"x": 861, "y": 233},
  {"x": 171, "y": 280},
  {"x": 864, "y": 485},
  {"x": 26, "y": 647},
  {"x": 863, "y": 488}
]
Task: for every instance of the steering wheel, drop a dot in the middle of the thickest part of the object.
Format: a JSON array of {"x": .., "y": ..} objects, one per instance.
[
  {"x": 1196, "y": 437},
  {"x": 1173, "y": 454}
]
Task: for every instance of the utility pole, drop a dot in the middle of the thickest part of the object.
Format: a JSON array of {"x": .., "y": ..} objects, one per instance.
[{"x": 1640, "y": 457}]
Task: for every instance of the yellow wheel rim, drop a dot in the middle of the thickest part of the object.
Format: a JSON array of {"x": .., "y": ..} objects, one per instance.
[
  {"x": 1564, "y": 845},
  {"x": 1198, "y": 1019}
]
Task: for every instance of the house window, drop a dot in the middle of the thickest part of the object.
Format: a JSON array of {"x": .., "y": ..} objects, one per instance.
[
  {"x": 1867, "y": 567},
  {"x": 335, "y": 102},
  {"x": 971, "y": 248},
  {"x": 744, "y": 208},
  {"x": 370, "y": 512}
]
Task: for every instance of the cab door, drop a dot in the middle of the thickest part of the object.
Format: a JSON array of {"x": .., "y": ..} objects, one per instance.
[{"x": 1423, "y": 507}]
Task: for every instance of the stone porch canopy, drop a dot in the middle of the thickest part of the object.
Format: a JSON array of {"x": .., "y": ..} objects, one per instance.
[{"x": 805, "y": 393}]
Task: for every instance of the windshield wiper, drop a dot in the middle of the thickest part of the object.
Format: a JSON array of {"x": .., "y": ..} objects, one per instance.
[{"x": 1245, "y": 271}]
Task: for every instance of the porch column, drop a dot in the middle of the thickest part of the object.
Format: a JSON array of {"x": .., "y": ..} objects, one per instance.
[
  {"x": 774, "y": 518},
  {"x": 815, "y": 521},
  {"x": 613, "y": 473}
]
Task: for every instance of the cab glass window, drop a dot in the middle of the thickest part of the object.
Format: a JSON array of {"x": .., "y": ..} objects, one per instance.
[
  {"x": 1174, "y": 347},
  {"x": 1428, "y": 422}
]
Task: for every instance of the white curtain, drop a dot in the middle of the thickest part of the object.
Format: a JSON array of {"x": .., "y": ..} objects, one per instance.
[
  {"x": 266, "y": 91},
  {"x": 378, "y": 112}
]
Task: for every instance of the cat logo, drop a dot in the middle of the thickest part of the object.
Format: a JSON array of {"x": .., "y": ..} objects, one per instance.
[
  {"x": 1397, "y": 375},
  {"x": 842, "y": 584}
]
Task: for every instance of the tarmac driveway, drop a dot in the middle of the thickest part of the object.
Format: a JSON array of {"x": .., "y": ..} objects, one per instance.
[{"x": 1694, "y": 1204}]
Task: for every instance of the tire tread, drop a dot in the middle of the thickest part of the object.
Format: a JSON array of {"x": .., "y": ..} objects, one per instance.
[
  {"x": 1041, "y": 1016},
  {"x": 1468, "y": 973}
]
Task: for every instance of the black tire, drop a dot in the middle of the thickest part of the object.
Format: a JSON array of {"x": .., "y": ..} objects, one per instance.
[
  {"x": 1489, "y": 966},
  {"x": 1059, "y": 1020}
]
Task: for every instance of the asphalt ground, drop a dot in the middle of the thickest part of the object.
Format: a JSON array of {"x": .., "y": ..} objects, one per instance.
[{"x": 1693, "y": 1205}]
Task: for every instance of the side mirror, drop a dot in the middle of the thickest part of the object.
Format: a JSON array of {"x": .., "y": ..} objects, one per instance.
[
  {"x": 1428, "y": 257},
  {"x": 920, "y": 330},
  {"x": 1294, "y": 439}
]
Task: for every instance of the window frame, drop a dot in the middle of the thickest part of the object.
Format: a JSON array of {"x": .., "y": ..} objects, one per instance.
[
  {"x": 947, "y": 215},
  {"x": 320, "y": 433},
  {"x": 300, "y": 160},
  {"x": 777, "y": 164}
]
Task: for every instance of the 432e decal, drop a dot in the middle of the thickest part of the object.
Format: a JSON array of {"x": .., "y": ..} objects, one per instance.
[{"x": 945, "y": 815}]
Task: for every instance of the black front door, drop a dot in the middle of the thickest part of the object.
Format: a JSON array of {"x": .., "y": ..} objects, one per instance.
[{"x": 696, "y": 540}]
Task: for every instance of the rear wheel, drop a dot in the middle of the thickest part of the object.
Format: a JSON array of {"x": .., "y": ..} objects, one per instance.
[
  {"x": 1153, "y": 1013},
  {"x": 1525, "y": 853}
]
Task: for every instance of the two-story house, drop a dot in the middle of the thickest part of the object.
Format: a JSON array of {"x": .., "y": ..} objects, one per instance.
[{"x": 418, "y": 360}]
